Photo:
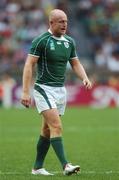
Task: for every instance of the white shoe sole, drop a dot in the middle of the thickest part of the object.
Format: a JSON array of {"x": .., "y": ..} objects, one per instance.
[{"x": 40, "y": 173}]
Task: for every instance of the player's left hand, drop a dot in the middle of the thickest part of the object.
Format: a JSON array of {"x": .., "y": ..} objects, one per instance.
[{"x": 87, "y": 83}]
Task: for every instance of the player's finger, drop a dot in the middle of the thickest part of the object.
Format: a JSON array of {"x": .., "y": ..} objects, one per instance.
[
  {"x": 89, "y": 85},
  {"x": 26, "y": 102}
]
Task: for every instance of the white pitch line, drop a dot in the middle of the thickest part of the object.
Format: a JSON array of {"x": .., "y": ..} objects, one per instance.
[{"x": 60, "y": 172}]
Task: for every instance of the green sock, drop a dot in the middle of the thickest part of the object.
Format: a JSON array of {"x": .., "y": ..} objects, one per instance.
[
  {"x": 57, "y": 145},
  {"x": 42, "y": 149}
]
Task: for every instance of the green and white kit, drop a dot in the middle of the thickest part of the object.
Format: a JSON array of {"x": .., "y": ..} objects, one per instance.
[{"x": 53, "y": 54}]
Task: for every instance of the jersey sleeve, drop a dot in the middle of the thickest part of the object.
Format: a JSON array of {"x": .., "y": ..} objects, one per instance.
[
  {"x": 36, "y": 48},
  {"x": 73, "y": 51}
]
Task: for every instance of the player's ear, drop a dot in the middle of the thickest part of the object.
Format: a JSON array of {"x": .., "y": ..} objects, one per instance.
[{"x": 51, "y": 22}]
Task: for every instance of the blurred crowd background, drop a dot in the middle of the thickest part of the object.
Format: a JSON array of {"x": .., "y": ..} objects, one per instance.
[{"x": 94, "y": 24}]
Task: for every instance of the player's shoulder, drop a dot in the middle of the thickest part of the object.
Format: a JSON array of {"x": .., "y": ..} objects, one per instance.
[
  {"x": 69, "y": 38},
  {"x": 41, "y": 37}
]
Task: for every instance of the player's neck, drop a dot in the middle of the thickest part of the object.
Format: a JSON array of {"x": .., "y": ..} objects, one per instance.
[{"x": 55, "y": 34}]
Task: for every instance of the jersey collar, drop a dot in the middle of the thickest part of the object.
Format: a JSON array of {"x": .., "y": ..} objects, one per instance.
[{"x": 62, "y": 38}]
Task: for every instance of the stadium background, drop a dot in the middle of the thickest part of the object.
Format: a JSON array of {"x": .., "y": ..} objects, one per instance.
[
  {"x": 91, "y": 134},
  {"x": 92, "y": 23}
]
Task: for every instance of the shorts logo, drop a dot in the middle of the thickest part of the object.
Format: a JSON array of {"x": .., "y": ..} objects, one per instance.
[
  {"x": 52, "y": 46},
  {"x": 66, "y": 44}
]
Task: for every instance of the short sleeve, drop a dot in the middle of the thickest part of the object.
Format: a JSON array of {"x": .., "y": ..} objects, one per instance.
[
  {"x": 73, "y": 51},
  {"x": 36, "y": 48}
]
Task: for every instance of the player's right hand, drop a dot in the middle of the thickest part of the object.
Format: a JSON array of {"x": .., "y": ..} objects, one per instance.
[{"x": 26, "y": 100}]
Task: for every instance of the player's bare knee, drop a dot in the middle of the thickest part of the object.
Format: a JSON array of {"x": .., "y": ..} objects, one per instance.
[{"x": 57, "y": 129}]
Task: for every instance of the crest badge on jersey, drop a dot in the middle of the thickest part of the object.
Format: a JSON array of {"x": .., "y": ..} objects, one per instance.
[{"x": 66, "y": 44}]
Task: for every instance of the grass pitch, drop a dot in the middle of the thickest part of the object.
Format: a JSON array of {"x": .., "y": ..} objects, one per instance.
[{"x": 91, "y": 139}]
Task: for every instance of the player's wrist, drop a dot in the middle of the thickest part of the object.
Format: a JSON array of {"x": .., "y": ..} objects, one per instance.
[
  {"x": 25, "y": 91},
  {"x": 85, "y": 79}
]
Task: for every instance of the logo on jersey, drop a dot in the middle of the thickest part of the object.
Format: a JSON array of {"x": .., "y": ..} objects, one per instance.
[
  {"x": 58, "y": 42},
  {"x": 52, "y": 46},
  {"x": 66, "y": 44}
]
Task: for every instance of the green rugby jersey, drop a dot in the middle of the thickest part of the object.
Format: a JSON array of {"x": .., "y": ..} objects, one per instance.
[{"x": 53, "y": 53}]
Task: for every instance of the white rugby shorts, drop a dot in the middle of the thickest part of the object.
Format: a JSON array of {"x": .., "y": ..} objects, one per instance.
[{"x": 48, "y": 97}]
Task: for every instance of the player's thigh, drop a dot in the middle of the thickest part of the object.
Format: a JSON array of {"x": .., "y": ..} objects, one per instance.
[{"x": 52, "y": 118}]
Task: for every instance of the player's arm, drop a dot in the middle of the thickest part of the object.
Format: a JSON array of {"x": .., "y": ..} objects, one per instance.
[
  {"x": 27, "y": 78},
  {"x": 80, "y": 72}
]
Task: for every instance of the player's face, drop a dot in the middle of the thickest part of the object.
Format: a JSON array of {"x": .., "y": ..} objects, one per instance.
[{"x": 59, "y": 25}]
